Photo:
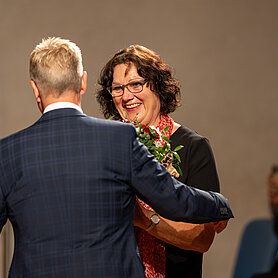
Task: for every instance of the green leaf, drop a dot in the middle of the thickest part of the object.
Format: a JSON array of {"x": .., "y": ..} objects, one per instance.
[
  {"x": 149, "y": 144},
  {"x": 167, "y": 147},
  {"x": 155, "y": 153},
  {"x": 160, "y": 157},
  {"x": 178, "y": 148},
  {"x": 166, "y": 139},
  {"x": 144, "y": 135},
  {"x": 161, "y": 150},
  {"x": 153, "y": 133},
  {"x": 179, "y": 170},
  {"x": 111, "y": 118},
  {"x": 177, "y": 157},
  {"x": 165, "y": 129}
]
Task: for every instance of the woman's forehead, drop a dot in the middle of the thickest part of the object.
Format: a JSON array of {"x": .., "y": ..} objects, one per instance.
[{"x": 125, "y": 70}]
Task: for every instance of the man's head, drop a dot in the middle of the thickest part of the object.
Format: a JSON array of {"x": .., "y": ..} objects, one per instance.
[{"x": 56, "y": 70}]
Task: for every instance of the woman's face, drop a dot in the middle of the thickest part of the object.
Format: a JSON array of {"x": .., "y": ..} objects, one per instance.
[{"x": 144, "y": 106}]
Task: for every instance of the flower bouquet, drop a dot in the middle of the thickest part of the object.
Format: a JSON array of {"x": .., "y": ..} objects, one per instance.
[{"x": 159, "y": 146}]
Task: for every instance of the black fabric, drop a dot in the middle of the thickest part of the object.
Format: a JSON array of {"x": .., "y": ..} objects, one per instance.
[
  {"x": 266, "y": 275},
  {"x": 199, "y": 170}
]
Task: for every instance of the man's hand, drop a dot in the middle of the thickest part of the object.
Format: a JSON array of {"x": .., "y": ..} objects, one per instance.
[{"x": 220, "y": 226}]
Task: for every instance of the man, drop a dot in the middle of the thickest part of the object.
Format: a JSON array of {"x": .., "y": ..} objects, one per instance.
[{"x": 68, "y": 183}]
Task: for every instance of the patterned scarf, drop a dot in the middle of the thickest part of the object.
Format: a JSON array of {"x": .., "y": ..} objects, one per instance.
[{"x": 152, "y": 250}]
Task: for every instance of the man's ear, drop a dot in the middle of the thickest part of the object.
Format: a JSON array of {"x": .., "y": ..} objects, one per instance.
[
  {"x": 83, "y": 83},
  {"x": 37, "y": 95},
  {"x": 36, "y": 91}
]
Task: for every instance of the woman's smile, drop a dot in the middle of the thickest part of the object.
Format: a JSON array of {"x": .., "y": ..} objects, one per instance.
[{"x": 132, "y": 106}]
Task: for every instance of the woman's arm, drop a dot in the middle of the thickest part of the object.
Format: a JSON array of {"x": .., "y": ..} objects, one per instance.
[
  {"x": 199, "y": 170},
  {"x": 196, "y": 237}
]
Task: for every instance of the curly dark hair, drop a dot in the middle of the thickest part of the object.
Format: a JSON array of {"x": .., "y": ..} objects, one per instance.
[{"x": 150, "y": 67}]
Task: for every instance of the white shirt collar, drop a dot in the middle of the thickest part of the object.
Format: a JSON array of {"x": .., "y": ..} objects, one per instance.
[{"x": 59, "y": 105}]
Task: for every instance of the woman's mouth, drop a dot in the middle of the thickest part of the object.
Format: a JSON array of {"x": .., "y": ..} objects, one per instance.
[{"x": 132, "y": 106}]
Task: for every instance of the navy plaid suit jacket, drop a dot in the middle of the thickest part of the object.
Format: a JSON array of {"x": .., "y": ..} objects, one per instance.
[{"x": 68, "y": 186}]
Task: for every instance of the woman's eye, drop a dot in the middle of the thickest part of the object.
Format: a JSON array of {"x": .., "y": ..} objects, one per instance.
[
  {"x": 117, "y": 88},
  {"x": 136, "y": 85}
]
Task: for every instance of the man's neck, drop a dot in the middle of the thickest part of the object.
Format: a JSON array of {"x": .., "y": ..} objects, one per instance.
[
  {"x": 61, "y": 105},
  {"x": 67, "y": 96}
]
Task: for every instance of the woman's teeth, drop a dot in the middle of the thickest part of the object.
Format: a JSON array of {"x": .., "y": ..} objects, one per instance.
[{"x": 132, "y": 105}]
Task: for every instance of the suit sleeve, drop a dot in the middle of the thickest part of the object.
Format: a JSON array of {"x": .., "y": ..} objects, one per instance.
[{"x": 169, "y": 197}]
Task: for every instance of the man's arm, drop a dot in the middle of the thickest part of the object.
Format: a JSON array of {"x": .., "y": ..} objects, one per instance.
[
  {"x": 169, "y": 197},
  {"x": 200, "y": 172}
]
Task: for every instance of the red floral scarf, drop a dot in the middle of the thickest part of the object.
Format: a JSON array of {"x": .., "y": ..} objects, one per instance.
[{"x": 152, "y": 250}]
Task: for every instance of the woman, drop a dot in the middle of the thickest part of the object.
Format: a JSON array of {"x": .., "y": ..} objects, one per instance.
[{"x": 136, "y": 84}]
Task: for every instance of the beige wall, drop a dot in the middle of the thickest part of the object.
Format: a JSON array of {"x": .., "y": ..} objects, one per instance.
[{"x": 224, "y": 53}]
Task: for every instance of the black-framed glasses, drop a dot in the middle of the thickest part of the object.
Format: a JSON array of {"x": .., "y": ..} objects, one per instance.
[{"x": 134, "y": 86}]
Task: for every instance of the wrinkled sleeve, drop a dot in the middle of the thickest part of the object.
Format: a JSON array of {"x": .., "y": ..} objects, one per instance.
[{"x": 169, "y": 197}]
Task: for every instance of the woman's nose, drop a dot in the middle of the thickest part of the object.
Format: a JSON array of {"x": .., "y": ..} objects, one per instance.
[{"x": 127, "y": 95}]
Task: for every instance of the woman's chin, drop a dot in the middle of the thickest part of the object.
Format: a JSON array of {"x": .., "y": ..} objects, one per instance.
[{"x": 134, "y": 117}]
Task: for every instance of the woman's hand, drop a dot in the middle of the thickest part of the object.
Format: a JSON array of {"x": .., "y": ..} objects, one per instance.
[
  {"x": 220, "y": 226},
  {"x": 141, "y": 216}
]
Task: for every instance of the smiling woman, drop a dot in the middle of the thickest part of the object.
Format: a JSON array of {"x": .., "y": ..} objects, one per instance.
[
  {"x": 144, "y": 105},
  {"x": 137, "y": 85}
]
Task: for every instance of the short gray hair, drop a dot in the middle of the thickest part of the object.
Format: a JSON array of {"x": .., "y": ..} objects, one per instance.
[{"x": 56, "y": 66}]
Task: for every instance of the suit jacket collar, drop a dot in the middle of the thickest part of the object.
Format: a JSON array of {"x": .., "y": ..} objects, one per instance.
[{"x": 60, "y": 113}]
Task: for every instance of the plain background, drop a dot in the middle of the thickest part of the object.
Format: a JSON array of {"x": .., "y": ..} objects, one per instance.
[{"x": 225, "y": 54}]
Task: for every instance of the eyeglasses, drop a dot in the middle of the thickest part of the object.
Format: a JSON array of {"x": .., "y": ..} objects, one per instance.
[{"x": 135, "y": 86}]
